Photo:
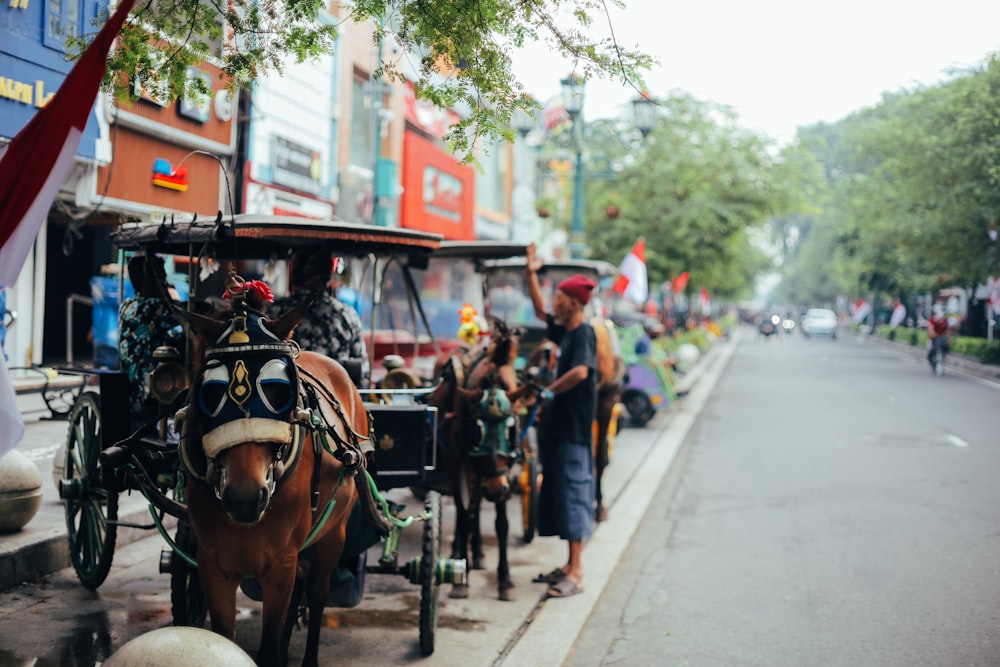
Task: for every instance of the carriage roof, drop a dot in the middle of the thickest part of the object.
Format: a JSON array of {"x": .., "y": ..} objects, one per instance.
[
  {"x": 596, "y": 267},
  {"x": 480, "y": 250},
  {"x": 260, "y": 236}
]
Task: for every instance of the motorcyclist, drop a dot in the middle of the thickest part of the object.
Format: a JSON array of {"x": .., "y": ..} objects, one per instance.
[{"x": 937, "y": 333}]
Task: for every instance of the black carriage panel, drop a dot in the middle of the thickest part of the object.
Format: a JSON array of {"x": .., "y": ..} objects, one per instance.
[
  {"x": 114, "y": 406},
  {"x": 405, "y": 439}
]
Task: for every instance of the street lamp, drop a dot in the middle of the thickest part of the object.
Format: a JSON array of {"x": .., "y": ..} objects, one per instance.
[
  {"x": 644, "y": 113},
  {"x": 572, "y": 91},
  {"x": 523, "y": 123}
]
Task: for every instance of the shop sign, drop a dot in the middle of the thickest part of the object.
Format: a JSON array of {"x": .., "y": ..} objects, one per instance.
[{"x": 296, "y": 166}]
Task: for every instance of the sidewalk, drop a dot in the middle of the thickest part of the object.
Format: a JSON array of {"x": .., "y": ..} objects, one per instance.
[
  {"x": 954, "y": 362},
  {"x": 41, "y": 547}
]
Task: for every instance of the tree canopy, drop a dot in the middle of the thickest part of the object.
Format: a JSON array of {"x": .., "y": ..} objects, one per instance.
[
  {"x": 906, "y": 193},
  {"x": 463, "y": 47}
]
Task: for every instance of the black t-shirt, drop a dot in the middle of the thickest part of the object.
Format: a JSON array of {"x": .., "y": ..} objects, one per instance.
[{"x": 570, "y": 415}]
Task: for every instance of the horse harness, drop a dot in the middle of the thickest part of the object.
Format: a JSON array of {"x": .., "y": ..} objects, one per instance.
[{"x": 252, "y": 390}]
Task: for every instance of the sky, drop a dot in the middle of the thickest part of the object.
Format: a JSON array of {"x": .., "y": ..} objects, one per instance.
[{"x": 781, "y": 64}]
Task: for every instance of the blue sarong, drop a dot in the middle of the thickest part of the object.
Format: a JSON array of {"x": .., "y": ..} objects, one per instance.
[{"x": 566, "y": 503}]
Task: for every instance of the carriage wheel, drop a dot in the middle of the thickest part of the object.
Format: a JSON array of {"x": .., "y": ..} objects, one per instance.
[
  {"x": 187, "y": 600},
  {"x": 91, "y": 509},
  {"x": 530, "y": 486},
  {"x": 429, "y": 585}
]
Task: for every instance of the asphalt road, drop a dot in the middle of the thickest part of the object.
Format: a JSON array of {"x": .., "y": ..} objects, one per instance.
[{"x": 835, "y": 505}]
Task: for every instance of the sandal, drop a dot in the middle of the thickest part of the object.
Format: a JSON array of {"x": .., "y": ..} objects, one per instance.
[
  {"x": 552, "y": 577},
  {"x": 564, "y": 588}
]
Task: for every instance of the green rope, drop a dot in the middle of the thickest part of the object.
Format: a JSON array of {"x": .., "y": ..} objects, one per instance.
[
  {"x": 158, "y": 522},
  {"x": 399, "y": 523},
  {"x": 326, "y": 513}
]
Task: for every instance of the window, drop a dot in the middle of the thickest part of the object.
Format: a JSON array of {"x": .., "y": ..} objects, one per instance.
[
  {"x": 362, "y": 148},
  {"x": 62, "y": 20}
]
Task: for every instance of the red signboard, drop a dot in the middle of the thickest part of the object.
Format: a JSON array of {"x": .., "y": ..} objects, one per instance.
[{"x": 438, "y": 191}]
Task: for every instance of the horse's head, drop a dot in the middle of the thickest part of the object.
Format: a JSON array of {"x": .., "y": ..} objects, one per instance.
[
  {"x": 503, "y": 346},
  {"x": 241, "y": 405}
]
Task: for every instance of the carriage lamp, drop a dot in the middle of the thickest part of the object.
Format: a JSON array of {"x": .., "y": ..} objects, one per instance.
[{"x": 169, "y": 378}]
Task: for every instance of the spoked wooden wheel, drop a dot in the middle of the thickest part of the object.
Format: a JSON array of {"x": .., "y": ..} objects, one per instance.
[
  {"x": 429, "y": 585},
  {"x": 530, "y": 486},
  {"x": 187, "y": 600},
  {"x": 91, "y": 509}
]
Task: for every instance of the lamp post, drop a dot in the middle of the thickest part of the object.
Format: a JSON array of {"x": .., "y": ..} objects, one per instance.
[
  {"x": 644, "y": 113},
  {"x": 572, "y": 90},
  {"x": 523, "y": 123}
]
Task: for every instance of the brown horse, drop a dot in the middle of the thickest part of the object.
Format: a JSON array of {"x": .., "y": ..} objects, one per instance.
[
  {"x": 271, "y": 440},
  {"x": 478, "y": 443},
  {"x": 610, "y": 377}
]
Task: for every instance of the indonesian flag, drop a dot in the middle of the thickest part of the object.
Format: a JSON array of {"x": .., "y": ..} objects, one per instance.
[
  {"x": 678, "y": 284},
  {"x": 36, "y": 162},
  {"x": 33, "y": 166},
  {"x": 631, "y": 281}
]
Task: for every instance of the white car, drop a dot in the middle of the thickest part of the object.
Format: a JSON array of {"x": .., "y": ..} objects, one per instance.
[{"x": 820, "y": 322}]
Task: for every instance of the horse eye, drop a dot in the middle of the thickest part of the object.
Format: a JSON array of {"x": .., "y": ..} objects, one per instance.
[
  {"x": 214, "y": 385},
  {"x": 274, "y": 382}
]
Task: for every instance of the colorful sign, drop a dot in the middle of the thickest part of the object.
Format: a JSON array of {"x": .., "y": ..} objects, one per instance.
[{"x": 438, "y": 191}]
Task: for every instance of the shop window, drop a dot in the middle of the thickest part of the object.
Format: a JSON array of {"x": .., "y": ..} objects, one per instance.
[
  {"x": 62, "y": 20},
  {"x": 362, "y": 145}
]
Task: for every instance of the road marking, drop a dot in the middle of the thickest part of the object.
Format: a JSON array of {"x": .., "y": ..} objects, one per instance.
[{"x": 957, "y": 441}]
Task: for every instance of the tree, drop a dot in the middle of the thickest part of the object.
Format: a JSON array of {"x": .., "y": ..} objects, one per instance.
[
  {"x": 462, "y": 47},
  {"x": 694, "y": 188}
]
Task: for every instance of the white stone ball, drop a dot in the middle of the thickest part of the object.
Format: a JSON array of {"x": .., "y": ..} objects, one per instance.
[
  {"x": 687, "y": 356},
  {"x": 169, "y": 647},
  {"x": 20, "y": 491}
]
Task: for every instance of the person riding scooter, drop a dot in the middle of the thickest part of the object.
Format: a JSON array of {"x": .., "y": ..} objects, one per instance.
[{"x": 937, "y": 334}]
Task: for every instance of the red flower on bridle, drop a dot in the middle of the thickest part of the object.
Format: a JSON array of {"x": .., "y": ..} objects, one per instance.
[{"x": 256, "y": 291}]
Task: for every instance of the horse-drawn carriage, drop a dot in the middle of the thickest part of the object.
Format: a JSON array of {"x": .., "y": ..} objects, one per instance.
[{"x": 270, "y": 459}]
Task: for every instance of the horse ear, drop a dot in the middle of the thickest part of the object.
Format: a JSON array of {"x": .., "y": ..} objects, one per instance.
[
  {"x": 282, "y": 326},
  {"x": 201, "y": 324}
]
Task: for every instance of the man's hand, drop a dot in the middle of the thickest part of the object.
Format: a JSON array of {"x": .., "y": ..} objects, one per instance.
[{"x": 533, "y": 262}]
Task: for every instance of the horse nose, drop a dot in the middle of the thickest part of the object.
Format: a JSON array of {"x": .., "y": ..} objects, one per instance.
[{"x": 246, "y": 506}]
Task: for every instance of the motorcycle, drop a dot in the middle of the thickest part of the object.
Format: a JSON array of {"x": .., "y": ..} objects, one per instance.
[
  {"x": 788, "y": 324},
  {"x": 769, "y": 327},
  {"x": 938, "y": 351}
]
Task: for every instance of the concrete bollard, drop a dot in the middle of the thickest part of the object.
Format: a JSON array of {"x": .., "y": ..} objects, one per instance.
[
  {"x": 20, "y": 491},
  {"x": 168, "y": 647}
]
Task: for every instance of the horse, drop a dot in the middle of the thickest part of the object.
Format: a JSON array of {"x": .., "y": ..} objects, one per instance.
[
  {"x": 271, "y": 442},
  {"x": 611, "y": 370},
  {"x": 478, "y": 443}
]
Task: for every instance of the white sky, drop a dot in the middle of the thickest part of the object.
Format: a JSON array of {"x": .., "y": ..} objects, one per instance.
[{"x": 782, "y": 63}]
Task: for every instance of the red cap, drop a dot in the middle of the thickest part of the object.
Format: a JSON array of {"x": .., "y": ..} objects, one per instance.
[{"x": 578, "y": 287}]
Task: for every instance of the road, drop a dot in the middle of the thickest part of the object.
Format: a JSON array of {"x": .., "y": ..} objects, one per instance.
[{"x": 835, "y": 505}]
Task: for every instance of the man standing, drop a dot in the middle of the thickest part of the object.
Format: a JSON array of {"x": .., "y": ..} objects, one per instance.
[{"x": 566, "y": 506}]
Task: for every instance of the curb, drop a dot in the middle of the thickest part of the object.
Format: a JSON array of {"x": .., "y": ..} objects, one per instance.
[
  {"x": 30, "y": 555},
  {"x": 548, "y": 638}
]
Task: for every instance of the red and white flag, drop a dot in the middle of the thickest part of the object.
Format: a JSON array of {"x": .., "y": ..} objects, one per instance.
[
  {"x": 33, "y": 166},
  {"x": 36, "y": 162},
  {"x": 631, "y": 281}
]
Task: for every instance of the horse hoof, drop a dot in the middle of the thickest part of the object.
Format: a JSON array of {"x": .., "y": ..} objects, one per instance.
[
  {"x": 507, "y": 594},
  {"x": 601, "y": 514},
  {"x": 459, "y": 592},
  {"x": 477, "y": 564}
]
